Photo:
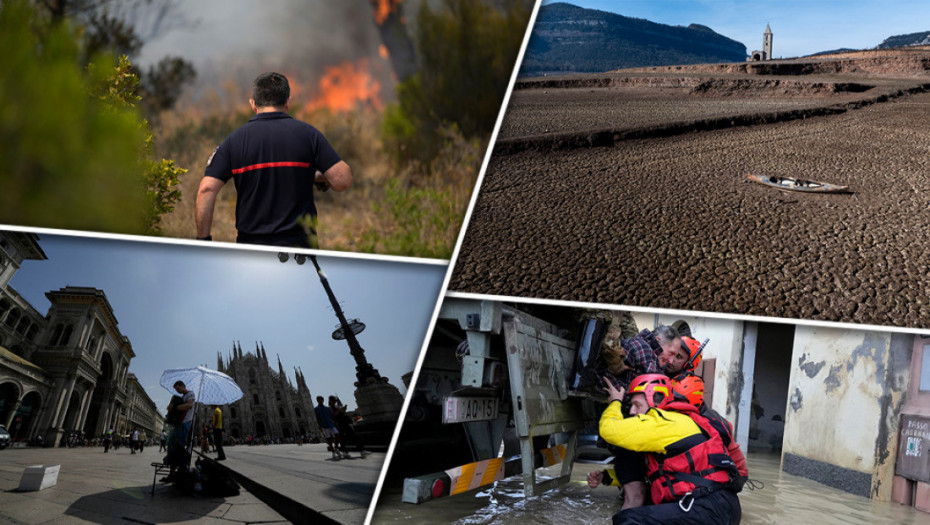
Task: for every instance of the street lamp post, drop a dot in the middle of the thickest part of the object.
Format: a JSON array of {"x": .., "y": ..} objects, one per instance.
[
  {"x": 378, "y": 401},
  {"x": 364, "y": 371}
]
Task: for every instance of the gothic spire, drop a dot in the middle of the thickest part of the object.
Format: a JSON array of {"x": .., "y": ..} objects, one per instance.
[{"x": 280, "y": 368}]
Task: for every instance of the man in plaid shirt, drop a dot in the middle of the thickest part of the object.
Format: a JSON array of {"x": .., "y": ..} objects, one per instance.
[{"x": 642, "y": 353}]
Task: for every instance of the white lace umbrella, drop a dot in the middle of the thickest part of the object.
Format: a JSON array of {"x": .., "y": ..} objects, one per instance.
[{"x": 210, "y": 386}]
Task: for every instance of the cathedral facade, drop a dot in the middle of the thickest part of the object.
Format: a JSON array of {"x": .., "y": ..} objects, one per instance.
[
  {"x": 270, "y": 406},
  {"x": 68, "y": 370}
]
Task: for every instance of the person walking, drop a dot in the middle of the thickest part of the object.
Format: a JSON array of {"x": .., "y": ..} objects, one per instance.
[
  {"x": 275, "y": 162},
  {"x": 134, "y": 441},
  {"x": 346, "y": 429},
  {"x": 324, "y": 417}
]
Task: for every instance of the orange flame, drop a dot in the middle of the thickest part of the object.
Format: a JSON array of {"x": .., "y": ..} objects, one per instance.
[
  {"x": 345, "y": 86},
  {"x": 384, "y": 8},
  {"x": 383, "y": 51}
]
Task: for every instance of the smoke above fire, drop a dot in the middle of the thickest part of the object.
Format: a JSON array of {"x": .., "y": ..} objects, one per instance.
[{"x": 332, "y": 51}]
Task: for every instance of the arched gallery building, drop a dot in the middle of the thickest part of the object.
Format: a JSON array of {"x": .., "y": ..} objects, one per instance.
[{"x": 67, "y": 370}]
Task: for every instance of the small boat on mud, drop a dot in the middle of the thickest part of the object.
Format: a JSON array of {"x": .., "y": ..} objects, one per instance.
[{"x": 792, "y": 184}]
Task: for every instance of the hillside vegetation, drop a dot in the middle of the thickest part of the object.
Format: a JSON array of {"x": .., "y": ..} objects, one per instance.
[{"x": 567, "y": 39}]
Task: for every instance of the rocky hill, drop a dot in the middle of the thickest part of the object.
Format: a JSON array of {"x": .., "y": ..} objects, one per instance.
[
  {"x": 911, "y": 39},
  {"x": 571, "y": 39}
]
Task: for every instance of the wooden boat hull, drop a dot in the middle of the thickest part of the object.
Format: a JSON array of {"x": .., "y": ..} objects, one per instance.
[{"x": 793, "y": 184}]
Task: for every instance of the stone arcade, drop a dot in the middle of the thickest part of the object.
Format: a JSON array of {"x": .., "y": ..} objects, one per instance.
[{"x": 68, "y": 370}]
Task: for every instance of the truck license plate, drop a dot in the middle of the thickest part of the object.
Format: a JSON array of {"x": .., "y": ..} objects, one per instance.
[{"x": 464, "y": 409}]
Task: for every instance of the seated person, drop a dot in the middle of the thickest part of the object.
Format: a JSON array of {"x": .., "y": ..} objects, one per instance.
[{"x": 692, "y": 477}]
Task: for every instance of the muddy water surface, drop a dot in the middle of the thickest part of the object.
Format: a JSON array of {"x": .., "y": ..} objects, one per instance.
[{"x": 783, "y": 499}]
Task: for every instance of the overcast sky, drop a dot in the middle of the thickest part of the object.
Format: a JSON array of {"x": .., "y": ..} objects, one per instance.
[
  {"x": 800, "y": 27},
  {"x": 180, "y": 305}
]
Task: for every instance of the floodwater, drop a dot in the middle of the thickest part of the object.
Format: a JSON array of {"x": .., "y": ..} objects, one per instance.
[{"x": 783, "y": 499}]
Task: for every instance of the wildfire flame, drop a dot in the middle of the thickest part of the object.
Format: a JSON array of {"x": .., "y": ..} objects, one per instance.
[
  {"x": 383, "y": 52},
  {"x": 384, "y": 8},
  {"x": 345, "y": 86}
]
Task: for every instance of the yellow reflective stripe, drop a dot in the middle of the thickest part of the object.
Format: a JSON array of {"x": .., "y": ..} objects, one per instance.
[
  {"x": 464, "y": 481},
  {"x": 494, "y": 469},
  {"x": 474, "y": 475}
]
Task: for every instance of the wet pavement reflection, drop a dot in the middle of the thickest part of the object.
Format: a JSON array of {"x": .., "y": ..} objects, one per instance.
[{"x": 783, "y": 499}]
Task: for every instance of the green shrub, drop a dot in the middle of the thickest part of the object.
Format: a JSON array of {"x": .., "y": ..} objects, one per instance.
[
  {"x": 76, "y": 153},
  {"x": 467, "y": 52},
  {"x": 421, "y": 219},
  {"x": 69, "y": 160},
  {"x": 118, "y": 90}
]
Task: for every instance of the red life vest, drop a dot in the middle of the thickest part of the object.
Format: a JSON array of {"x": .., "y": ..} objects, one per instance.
[{"x": 706, "y": 464}]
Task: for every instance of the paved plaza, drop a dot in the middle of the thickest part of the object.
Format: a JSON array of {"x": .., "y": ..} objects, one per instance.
[
  {"x": 307, "y": 475},
  {"x": 94, "y": 487}
]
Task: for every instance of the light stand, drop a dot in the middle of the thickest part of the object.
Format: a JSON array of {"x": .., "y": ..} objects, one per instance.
[{"x": 378, "y": 401}]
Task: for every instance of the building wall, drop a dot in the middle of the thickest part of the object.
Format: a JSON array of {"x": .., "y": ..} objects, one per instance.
[
  {"x": 845, "y": 393},
  {"x": 142, "y": 414},
  {"x": 73, "y": 361}
]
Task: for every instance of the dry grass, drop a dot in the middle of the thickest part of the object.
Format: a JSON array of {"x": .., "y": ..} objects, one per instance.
[{"x": 413, "y": 210}]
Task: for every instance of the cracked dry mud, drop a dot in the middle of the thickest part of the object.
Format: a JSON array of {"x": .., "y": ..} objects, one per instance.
[{"x": 673, "y": 223}]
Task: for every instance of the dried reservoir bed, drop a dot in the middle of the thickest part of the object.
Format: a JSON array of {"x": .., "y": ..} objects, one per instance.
[{"x": 671, "y": 222}]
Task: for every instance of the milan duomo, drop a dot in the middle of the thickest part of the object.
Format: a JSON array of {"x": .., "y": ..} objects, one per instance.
[{"x": 270, "y": 406}]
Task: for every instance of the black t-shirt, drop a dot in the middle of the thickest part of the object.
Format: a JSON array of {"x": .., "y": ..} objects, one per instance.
[
  {"x": 175, "y": 416},
  {"x": 273, "y": 160}
]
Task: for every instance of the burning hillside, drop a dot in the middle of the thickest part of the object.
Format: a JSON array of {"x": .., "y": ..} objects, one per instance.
[{"x": 346, "y": 86}]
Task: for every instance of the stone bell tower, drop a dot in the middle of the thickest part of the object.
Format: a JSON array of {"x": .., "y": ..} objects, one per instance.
[
  {"x": 767, "y": 43},
  {"x": 766, "y": 52}
]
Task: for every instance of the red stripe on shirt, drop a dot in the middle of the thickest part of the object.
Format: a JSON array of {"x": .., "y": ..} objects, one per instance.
[{"x": 272, "y": 165}]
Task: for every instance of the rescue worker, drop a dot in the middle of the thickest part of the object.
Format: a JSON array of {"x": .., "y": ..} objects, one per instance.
[
  {"x": 679, "y": 362},
  {"x": 643, "y": 355},
  {"x": 688, "y": 387},
  {"x": 692, "y": 477},
  {"x": 275, "y": 162}
]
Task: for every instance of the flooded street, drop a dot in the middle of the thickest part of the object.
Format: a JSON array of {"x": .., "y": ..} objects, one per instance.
[{"x": 784, "y": 498}]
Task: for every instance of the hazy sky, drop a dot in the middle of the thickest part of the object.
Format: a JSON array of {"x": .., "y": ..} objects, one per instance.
[
  {"x": 180, "y": 305},
  {"x": 800, "y": 27}
]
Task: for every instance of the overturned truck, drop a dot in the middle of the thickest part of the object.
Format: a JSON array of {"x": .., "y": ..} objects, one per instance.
[{"x": 498, "y": 395}]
